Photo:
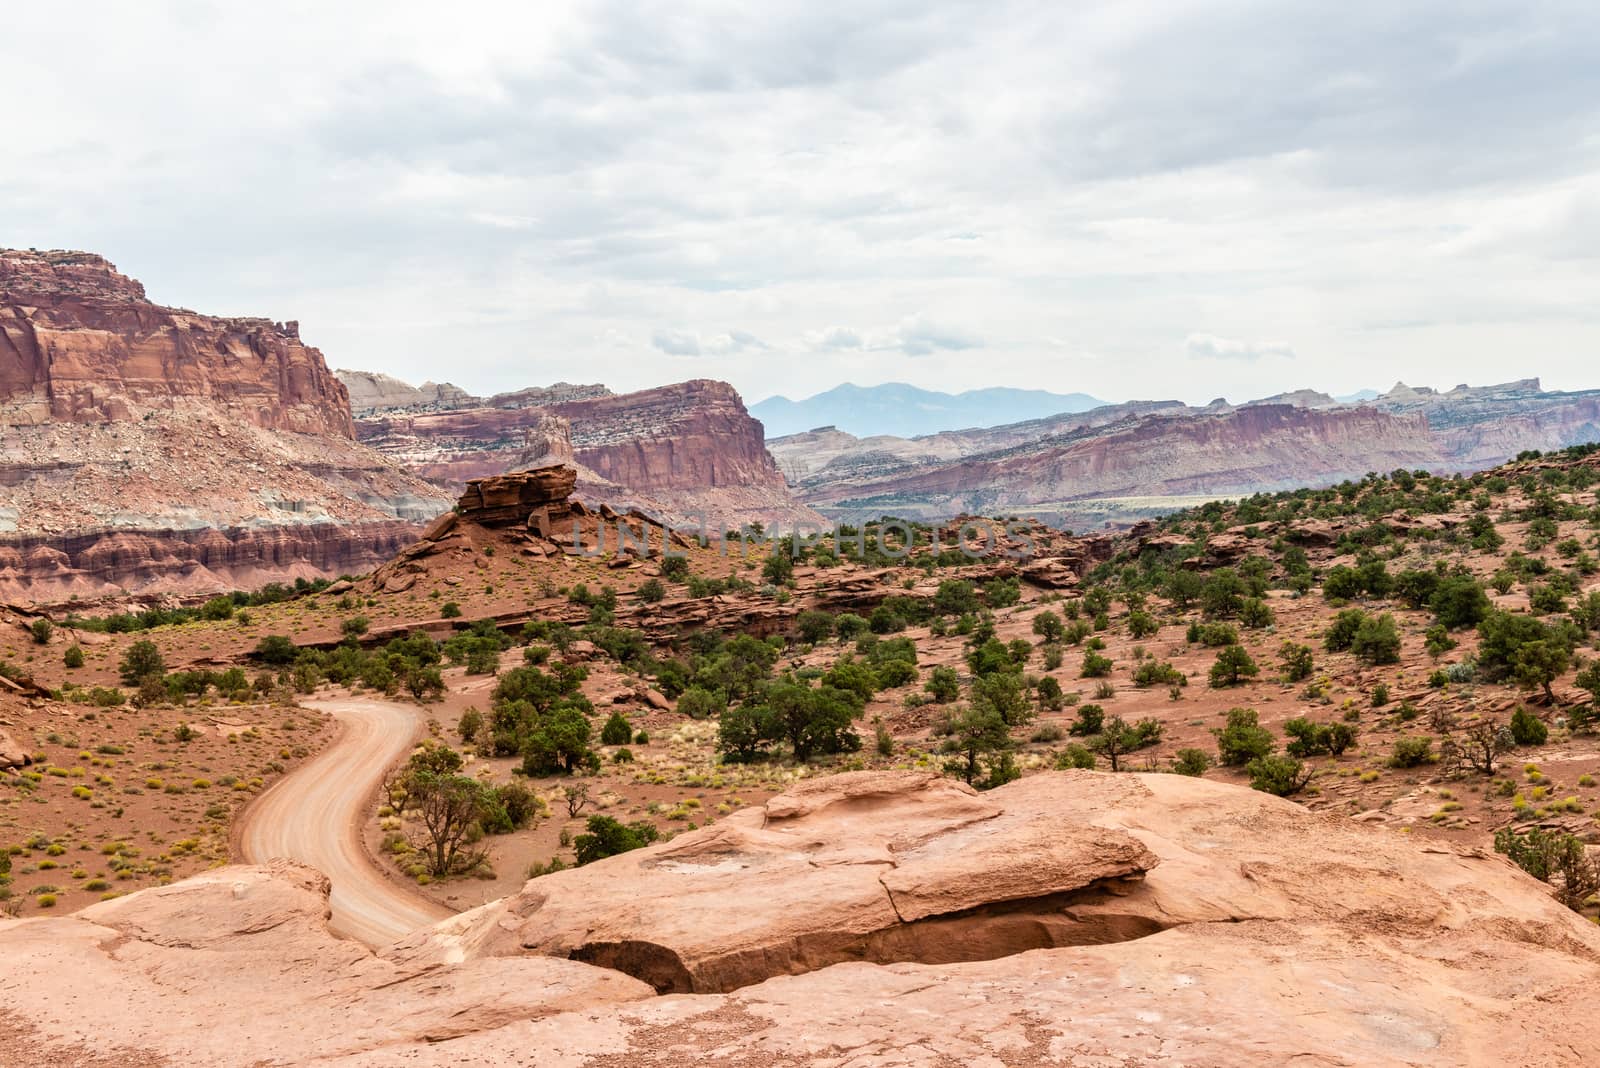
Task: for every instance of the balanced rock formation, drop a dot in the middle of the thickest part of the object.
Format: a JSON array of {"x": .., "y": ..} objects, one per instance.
[
  {"x": 153, "y": 448},
  {"x": 875, "y": 918},
  {"x": 527, "y": 498}
]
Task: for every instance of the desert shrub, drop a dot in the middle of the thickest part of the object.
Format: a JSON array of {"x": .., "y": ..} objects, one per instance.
[
  {"x": 1279, "y": 775},
  {"x": 1095, "y": 666},
  {"x": 1213, "y": 635},
  {"x": 814, "y": 626},
  {"x": 1233, "y": 666},
  {"x": 1049, "y": 693},
  {"x": 1555, "y": 857},
  {"x": 276, "y": 649},
  {"x": 73, "y": 657},
  {"x": 1074, "y": 756},
  {"x": 699, "y": 703},
  {"x": 607, "y": 837},
  {"x": 1527, "y": 728},
  {"x": 1411, "y": 752},
  {"x": 1377, "y": 640},
  {"x": 1243, "y": 739},
  {"x": 617, "y": 730},
  {"x": 41, "y": 630},
  {"x": 943, "y": 684},
  {"x": 1341, "y": 633},
  {"x": 1312, "y": 739},
  {"x": 1459, "y": 601},
  {"x": 1158, "y": 673},
  {"x": 142, "y": 660},
  {"x": 1255, "y": 614},
  {"x": 1091, "y": 718},
  {"x": 1193, "y": 762},
  {"x": 1297, "y": 661}
]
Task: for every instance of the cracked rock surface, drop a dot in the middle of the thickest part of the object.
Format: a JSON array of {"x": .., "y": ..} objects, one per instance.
[{"x": 867, "y": 919}]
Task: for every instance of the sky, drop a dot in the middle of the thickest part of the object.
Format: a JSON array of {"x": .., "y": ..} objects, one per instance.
[{"x": 1134, "y": 199}]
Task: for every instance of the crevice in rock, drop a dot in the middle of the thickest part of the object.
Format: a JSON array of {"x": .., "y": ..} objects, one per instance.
[
  {"x": 1081, "y": 917},
  {"x": 645, "y": 961}
]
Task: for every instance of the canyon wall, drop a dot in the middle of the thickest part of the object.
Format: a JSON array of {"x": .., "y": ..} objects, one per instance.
[
  {"x": 80, "y": 342},
  {"x": 1139, "y": 462},
  {"x": 1125, "y": 462},
  {"x": 145, "y": 448},
  {"x": 677, "y": 452}
]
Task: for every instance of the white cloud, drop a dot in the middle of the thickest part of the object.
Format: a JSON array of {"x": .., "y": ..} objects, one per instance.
[
  {"x": 1212, "y": 347},
  {"x": 551, "y": 186},
  {"x": 676, "y": 342},
  {"x": 920, "y": 336}
]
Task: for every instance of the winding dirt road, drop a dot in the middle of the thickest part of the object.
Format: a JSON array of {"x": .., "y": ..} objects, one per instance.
[{"x": 315, "y": 814}]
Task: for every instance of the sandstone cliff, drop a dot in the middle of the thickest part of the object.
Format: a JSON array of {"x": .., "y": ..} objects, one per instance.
[
  {"x": 144, "y": 447},
  {"x": 80, "y": 342},
  {"x": 676, "y": 451}
]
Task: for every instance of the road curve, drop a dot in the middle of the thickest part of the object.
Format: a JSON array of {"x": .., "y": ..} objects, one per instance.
[{"x": 315, "y": 815}]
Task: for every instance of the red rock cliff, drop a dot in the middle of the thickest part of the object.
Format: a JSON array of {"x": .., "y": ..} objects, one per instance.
[
  {"x": 687, "y": 436},
  {"x": 80, "y": 342}
]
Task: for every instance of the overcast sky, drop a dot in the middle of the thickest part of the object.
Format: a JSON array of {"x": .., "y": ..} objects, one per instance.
[{"x": 1132, "y": 199}]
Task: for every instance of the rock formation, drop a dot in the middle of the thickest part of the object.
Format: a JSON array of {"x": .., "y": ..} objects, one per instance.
[
  {"x": 144, "y": 447},
  {"x": 1162, "y": 455},
  {"x": 81, "y": 343},
  {"x": 676, "y": 451},
  {"x": 872, "y": 918},
  {"x": 527, "y": 498},
  {"x": 1123, "y": 462}
]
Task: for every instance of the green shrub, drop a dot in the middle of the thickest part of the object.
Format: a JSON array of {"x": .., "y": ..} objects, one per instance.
[
  {"x": 1193, "y": 762},
  {"x": 1074, "y": 756},
  {"x": 1279, "y": 775},
  {"x": 1243, "y": 739},
  {"x": 617, "y": 730},
  {"x": 1527, "y": 728},
  {"x": 1411, "y": 752}
]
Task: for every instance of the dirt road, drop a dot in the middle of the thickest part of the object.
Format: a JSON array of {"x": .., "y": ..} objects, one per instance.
[{"x": 314, "y": 815}]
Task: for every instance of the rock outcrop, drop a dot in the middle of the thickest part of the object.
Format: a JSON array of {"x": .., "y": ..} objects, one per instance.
[
  {"x": 872, "y": 918},
  {"x": 145, "y": 447},
  {"x": 237, "y": 966},
  {"x": 530, "y": 499}
]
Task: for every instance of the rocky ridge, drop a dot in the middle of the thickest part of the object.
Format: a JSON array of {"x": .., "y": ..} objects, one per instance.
[
  {"x": 869, "y": 918},
  {"x": 1125, "y": 462}
]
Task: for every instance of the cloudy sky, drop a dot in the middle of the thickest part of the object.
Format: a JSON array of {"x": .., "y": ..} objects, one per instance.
[{"x": 1131, "y": 199}]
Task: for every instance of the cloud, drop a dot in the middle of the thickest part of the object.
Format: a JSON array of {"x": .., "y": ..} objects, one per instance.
[
  {"x": 919, "y": 336},
  {"x": 550, "y": 189},
  {"x": 735, "y": 341},
  {"x": 836, "y": 338},
  {"x": 1212, "y": 347},
  {"x": 676, "y": 342}
]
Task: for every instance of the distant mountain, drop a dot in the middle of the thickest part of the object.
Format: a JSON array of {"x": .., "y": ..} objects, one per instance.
[
  {"x": 1359, "y": 396},
  {"x": 905, "y": 411}
]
